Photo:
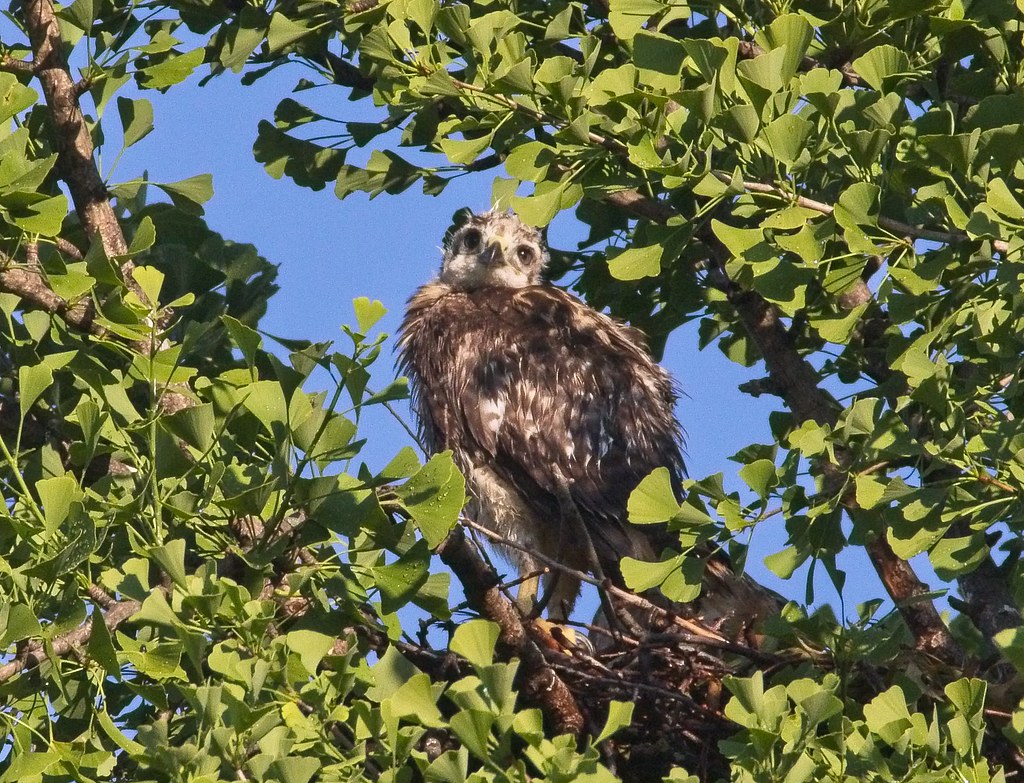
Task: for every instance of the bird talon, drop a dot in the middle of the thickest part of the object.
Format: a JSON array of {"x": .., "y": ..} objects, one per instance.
[{"x": 562, "y": 638}]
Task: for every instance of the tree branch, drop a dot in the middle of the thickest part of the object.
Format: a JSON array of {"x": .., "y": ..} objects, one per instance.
[
  {"x": 17, "y": 67},
  {"x": 74, "y": 145},
  {"x": 70, "y": 643},
  {"x": 896, "y": 226},
  {"x": 540, "y": 682},
  {"x": 29, "y": 285}
]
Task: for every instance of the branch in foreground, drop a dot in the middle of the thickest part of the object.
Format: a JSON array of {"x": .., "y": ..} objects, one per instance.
[
  {"x": 540, "y": 682},
  {"x": 694, "y": 632}
]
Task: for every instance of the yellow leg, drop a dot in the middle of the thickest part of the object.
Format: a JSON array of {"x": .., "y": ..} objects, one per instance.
[{"x": 526, "y": 597}]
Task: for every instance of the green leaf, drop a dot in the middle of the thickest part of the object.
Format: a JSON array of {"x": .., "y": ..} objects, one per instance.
[
  {"x": 870, "y": 490},
  {"x": 389, "y": 673},
  {"x": 465, "y": 151},
  {"x": 368, "y": 313},
  {"x": 136, "y": 118},
  {"x": 654, "y": 499},
  {"x": 57, "y": 495},
  {"x": 284, "y": 31},
  {"x": 435, "y": 497},
  {"x": 17, "y": 622},
  {"x": 115, "y": 734},
  {"x": 144, "y": 236},
  {"x": 1003, "y": 201},
  {"x": 887, "y": 715},
  {"x": 310, "y": 646},
  {"x": 14, "y": 97},
  {"x": 33, "y": 380},
  {"x": 641, "y": 575},
  {"x": 423, "y": 13},
  {"x": 791, "y": 32},
  {"x": 399, "y": 581},
  {"x": 265, "y": 400},
  {"x": 474, "y": 640},
  {"x": 1011, "y": 644},
  {"x": 659, "y": 59},
  {"x": 620, "y": 715},
  {"x": 29, "y": 765},
  {"x": 628, "y": 17},
  {"x": 194, "y": 425},
  {"x": 294, "y": 769},
  {"x": 72, "y": 285},
  {"x": 760, "y": 476},
  {"x": 101, "y": 649},
  {"x": 785, "y": 562},
  {"x": 473, "y": 729},
  {"x": 415, "y": 699},
  {"x": 245, "y": 337},
  {"x": 738, "y": 240},
  {"x": 635, "y": 263},
  {"x": 151, "y": 281},
  {"x": 170, "y": 557},
  {"x": 189, "y": 194},
  {"x": 81, "y": 13},
  {"x": 37, "y": 214},
  {"x": 882, "y": 67},
  {"x": 171, "y": 71},
  {"x": 785, "y": 138},
  {"x": 530, "y": 162},
  {"x": 952, "y": 557},
  {"x": 968, "y": 696}
]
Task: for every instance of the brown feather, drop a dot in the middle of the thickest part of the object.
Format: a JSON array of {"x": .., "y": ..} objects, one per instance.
[{"x": 531, "y": 384}]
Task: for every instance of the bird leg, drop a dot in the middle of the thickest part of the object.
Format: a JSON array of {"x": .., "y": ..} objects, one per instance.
[{"x": 526, "y": 596}]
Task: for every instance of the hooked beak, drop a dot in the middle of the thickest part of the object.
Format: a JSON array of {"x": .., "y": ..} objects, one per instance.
[{"x": 494, "y": 253}]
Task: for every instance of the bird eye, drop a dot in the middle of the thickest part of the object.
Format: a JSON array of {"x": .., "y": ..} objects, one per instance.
[
  {"x": 525, "y": 254},
  {"x": 471, "y": 240}
]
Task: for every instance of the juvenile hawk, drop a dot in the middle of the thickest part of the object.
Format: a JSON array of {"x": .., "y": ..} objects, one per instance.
[{"x": 536, "y": 393}]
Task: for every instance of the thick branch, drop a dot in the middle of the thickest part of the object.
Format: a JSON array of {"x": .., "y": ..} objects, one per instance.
[
  {"x": 69, "y": 643},
  {"x": 540, "y": 682},
  {"x": 16, "y": 66},
  {"x": 797, "y": 383},
  {"x": 74, "y": 146},
  {"x": 29, "y": 285}
]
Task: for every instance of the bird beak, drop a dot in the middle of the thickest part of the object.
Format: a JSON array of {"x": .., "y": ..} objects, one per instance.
[{"x": 494, "y": 253}]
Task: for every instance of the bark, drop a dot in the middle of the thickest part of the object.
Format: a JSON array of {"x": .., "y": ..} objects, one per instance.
[
  {"x": 539, "y": 682},
  {"x": 74, "y": 145}
]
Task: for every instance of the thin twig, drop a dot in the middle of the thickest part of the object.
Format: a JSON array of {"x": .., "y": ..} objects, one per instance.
[{"x": 896, "y": 226}]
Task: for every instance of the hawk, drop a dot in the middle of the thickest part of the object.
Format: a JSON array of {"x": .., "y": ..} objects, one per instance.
[{"x": 539, "y": 397}]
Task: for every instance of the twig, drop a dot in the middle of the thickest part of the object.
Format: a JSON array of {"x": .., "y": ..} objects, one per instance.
[
  {"x": 696, "y": 632},
  {"x": 896, "y": 226},
  {"x": 985, "y": 478}
]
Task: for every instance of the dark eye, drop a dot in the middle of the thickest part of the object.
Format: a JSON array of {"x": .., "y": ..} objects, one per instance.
[
  {"x": 525, "y": 254},
  {"x": 471, "y": 240}
]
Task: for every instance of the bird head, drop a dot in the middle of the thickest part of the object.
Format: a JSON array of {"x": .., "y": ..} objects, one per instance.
[{"x": 494, "y": 249}]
